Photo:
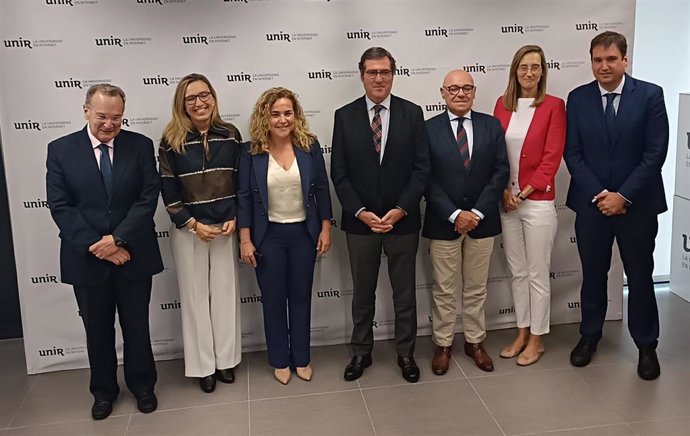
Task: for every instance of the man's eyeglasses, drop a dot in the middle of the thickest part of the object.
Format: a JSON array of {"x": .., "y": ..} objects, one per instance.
[
  {"x": 455, "y": 89},
  {"x": 203, "y": 96},
  {"x": 534, "y": 69},
  {"x": 385, "y": 74}
]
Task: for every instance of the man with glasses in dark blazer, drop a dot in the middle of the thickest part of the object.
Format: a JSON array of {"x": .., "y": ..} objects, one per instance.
[{"x": 380, "y": 167}]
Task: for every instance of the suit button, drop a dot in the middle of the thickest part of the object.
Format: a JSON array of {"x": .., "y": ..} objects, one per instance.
[
  {"x": 262, "y": 213},
  {"x": 256, "y": 190},
  {"x": 524, "y": 155},
  {"x": 258, "y": 201},
  {"x": 464, "y": 198},
  {"x": 110, "y": 211}
]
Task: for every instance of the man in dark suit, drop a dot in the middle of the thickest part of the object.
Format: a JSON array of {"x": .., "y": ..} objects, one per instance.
[
  {"x": 380, "y": 167},
  {"x": 102, "y": 189},
  {"x": 469, "y": 171},
  {"x": 616, "y": 144}
]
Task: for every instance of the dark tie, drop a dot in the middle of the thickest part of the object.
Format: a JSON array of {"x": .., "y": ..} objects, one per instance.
[
  {"x": 106, "y": 168},
  {"x": 463, "y": 145},
  {"x": 376, "y": 128},
  {"x": 610, "y": 111}
]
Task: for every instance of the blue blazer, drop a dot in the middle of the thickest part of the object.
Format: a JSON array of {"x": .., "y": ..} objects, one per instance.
[
  {"x": 630, "y": 161},
  {"x": 83, "y": 212},
  {"x": 252, "y": 195},
  {"x": 451, "y": 188}
]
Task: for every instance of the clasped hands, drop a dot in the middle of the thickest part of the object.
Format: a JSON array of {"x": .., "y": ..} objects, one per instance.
[
  {"x": 611, "y": 203},
  {"x": 381, "y": 225},
  {"x": 106, "y": 249},
  {"x": 208, "y": 232},
  {"x": 466, "y": 221}
]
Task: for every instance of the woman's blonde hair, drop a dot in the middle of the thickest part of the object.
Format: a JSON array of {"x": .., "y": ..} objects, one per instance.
[
  {"x": 260, "y": 124},
  {"x": 510, "y": 98},
  {"x": 180, "y": 125}
]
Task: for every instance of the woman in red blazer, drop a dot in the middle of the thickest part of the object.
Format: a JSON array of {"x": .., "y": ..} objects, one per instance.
[{"x": 534, "y": 125}]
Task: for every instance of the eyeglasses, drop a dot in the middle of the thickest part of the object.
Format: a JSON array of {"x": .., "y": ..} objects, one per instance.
[
  {"x": 385, "y": 74},
  {"x": 455, "y": 89},
  {"x": 534, "y": 69},
  {"x": 203, "y": 96}
]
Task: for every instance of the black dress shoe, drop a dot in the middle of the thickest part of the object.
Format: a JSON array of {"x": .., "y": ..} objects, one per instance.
[
  {"x": 147, "y": 402},
  {"x": 101, "y": 409},
  {"x": 208, "y": 383},
  {"x": 355, "y": 368},
  {"x": 583, "y": 351},
  {"x": 226, "y": 375},
  {"x": 648, "y": 365},
  {"x": 410, "y": 370}
]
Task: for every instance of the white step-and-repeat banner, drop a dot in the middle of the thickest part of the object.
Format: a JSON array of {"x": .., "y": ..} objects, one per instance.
[{"x": 52, "y": 50}]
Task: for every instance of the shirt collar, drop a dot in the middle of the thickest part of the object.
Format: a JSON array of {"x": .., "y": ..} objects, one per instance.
[
  {"x": 386, "y": 103},
  {"x": 95, "y": 142},
  {"x": 216, "y": 130},
  {"x": 618, "y": 90},
  {"x": 454, "y": 117}
]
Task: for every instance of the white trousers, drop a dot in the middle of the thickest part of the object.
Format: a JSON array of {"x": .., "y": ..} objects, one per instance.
[
  {"x": 528, "y": 236},
  {"x": 209, "y": 294}
]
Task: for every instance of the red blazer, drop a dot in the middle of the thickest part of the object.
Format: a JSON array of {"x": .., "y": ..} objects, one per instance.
[{"x": 542, "y": 150}]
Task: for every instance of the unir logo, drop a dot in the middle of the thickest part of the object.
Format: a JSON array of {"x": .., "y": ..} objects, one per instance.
[
  {"x": 28, "y": 125},
  {"x": 18, "y": 43},
  {"x": 513, "y": 29},
  {"x": 55, "y": 351}
]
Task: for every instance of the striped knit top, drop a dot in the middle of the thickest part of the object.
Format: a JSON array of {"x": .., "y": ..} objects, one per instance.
[{"x": 201, "y": 185}]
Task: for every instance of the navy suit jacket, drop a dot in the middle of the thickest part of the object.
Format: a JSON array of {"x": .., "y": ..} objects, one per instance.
[
  {"x": 399, "y": 180},
  {"x": 83, "y": 212},
  {"x": 630, "y": 161},
  {"x": 452, "y": 188},
  {"x": 252, "y": 194}
]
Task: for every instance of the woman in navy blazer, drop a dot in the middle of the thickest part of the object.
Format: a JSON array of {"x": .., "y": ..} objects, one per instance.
[
  {"x": 534, "y": 125},
  {"x": 284, "y": 217}
]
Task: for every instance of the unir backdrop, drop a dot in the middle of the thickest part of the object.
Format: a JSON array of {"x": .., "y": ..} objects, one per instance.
[{"x": 52, "y": 50}]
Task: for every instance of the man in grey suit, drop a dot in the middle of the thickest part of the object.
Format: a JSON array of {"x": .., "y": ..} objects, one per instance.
[{"x": 380, "y": 167}]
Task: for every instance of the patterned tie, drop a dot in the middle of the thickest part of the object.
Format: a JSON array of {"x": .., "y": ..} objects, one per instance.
[
  {"x": 463, "y": 144},
  {"x": 376, "y": 128},
  {"x": 106, "y": 168},
  {"x": 610, "y": 111}
]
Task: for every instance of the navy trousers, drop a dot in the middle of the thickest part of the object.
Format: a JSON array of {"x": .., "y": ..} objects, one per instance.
[
  {"x": 635, "y": 237},
  {"x": 285, "y": 273}
]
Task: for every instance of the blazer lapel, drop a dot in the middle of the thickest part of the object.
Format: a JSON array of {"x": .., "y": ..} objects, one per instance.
[
  {"x": 597, "y": 118},
  {"x": 304, "y": 165},
  {"x": 626, "y": 105},
  {"x": 260, "y": 164},
  {"x": 477, "y": 140},
  {"x": 395, "y": 123},
  {"x": 86, "y": 160},
  {"x": 450, "y": 140},
  {"x": 122, "y": 154},
  {"x": 367, "y": 140}
]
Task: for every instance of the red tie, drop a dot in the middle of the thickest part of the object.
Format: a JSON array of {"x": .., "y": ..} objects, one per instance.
[
  {"x": 463, "y": 144},
  {"x": 376, "y": 128}
]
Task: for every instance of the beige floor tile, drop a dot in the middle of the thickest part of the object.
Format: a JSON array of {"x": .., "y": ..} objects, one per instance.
[
  {"x": 225, "y": 419},
  {"x": 112, "y": 426},
  {"x": 341, "y": 413},
  {"x": 435, "y": 408},
  {"x": 561, "y": 398}
]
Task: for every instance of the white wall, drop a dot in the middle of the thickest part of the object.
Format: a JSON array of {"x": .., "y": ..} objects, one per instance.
[{"x": 662, "y": 56}]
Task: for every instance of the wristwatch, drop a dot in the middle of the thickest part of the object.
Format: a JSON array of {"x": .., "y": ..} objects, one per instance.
[
  {"x": 119, "y": 242},
  {"x": 521, "y": 196}
]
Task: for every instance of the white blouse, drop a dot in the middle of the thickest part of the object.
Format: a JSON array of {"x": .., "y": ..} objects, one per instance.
[
  {"x": 285, "y": 199},
  {"x": 515, "y": 137}
]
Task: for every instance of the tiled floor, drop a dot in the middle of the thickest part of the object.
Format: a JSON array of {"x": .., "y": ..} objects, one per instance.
[{"x": 551, "y": 397}]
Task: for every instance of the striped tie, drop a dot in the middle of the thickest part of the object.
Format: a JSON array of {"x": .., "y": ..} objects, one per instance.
[
  {"x": 463, "y": 145},
  {"x": 376, "y": 128}
]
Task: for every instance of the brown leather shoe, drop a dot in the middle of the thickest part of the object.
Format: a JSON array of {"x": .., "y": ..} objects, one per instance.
[
  {"x": 480, "y": 356},
  {"x": 441, "y": 359}
]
